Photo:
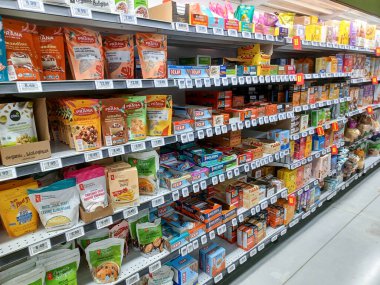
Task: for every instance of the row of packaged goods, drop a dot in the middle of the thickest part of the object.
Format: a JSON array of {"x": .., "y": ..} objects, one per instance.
[
  {"x": 244, "y": 18},
  {"x": 30, "y": 53},
  {"x": 172, "y": 225}
]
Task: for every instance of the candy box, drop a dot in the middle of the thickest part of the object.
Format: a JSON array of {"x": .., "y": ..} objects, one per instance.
[
  {"x": 173, "y": 240},
  {"x": 193, "y": 112},
  {"x": 204, "y": 211},
  {"x": 181, "y": 125},
  {"x": 198, "y": 173},
  {"x": 202, "y": 254},
  {"x": 202, "y": 124},
  {"x": 281, "y": 136},
  {"x": 203, "y": 155},
  {"x": 227, "y": 193},
  {"x": 178, "y": 72},
  {"x": 183, "y": 224},
  {"x": 276, "y": 215},
  {"x": 215, "y": 261},
  {"x": 214, "y": 223},
  {"x": 173, "y": 181},
  {"x": 185, "y": 270},
  {"x": 246, "y": 236}
]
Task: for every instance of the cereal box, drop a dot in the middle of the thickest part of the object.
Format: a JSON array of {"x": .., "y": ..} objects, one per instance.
[
  {"x": 159, "y": 114},
  {"x": 135, "y": 109}
]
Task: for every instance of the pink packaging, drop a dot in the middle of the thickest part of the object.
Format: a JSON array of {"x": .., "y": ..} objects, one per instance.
[{"x": 348, "y": 62}]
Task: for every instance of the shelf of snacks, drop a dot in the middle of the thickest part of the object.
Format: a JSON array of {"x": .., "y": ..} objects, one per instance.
[
  {"x": 364, "y": 109},
  {"x": 304, "y": 131}
]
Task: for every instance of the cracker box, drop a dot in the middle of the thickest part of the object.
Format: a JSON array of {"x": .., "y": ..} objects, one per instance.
[
  {"x": 185, "y": 270},
  {"x": 246, "y": 236},
  {"x": 181, "y": 125},
  {"x": 159, "y": 114},
  {"x": 202, "y": 254},
  {"x": 215, "y": 261},
  {"x": 183, "y": 224},
  {"x": 172, "y": 239},
  {"x": 202, "y": 124},
  {"x": 204, "y": 211},
  {"x": 203, "y": 155},
  {"x": 193, "y": 112}
]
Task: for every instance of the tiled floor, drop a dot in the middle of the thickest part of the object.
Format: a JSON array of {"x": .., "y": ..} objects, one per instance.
[{"x": 339, "y": 246}]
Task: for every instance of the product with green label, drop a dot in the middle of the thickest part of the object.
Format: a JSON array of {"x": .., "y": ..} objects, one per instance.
[
  {"x": 93, "y": 236},
  {"x": 141, "y": 217},
  {"x": 104, "y": 259},
  {"x": 149, "y": 236},
  {"x": 17, "y": 270},
  {"x": 33, "y": 277}
]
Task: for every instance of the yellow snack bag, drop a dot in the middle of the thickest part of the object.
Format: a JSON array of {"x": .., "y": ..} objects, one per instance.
[
  {"x": 159, "y": 114},
  {"x": 17, "y": 212}
]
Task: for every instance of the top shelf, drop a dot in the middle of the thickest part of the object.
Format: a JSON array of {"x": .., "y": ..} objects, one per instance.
[{"x": 110, "y": 22}]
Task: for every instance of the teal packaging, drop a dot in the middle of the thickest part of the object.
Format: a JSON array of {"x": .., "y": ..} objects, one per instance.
[{"x": 3, "y": 55}]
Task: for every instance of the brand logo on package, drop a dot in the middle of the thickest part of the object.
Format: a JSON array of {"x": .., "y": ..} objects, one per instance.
[
  {"x": 38, "y": 198},
  {"x": 179, "y": 127},
  {"x": 10, "y": 33},
  {"x": 81, "y": 187},
  {"x": 111, "y": 109},
  {"x": 152, "y": 44},
  {"x": 84, "y": 111},
  {"x": 195, "y": 71},
  {"x": 15, "y": 115},
  {"x": 44, "y": 38},
  {"x": 175, "y": 71},
  {"x": 133, "y": 106},
  {"x": 177, "y": 184},
  {"x": 199, "y": 113},
  {"x": 85, "y": 39},
  {"x": 116, "y": 44},
  {"x": 156, "y": 104}
]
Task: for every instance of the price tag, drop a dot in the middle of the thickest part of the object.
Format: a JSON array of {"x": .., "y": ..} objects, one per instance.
[
  {"x": 105, "y": 222},
  {"x": 218, "y": 130},
  {"x": 157, "y": 142},
  {"x": 241, "y": 80},
  {"x": 132, "y": 280},
  {"x": 93, "y": 155},
  {"x": 201, "y": 29},
  {"x": 81, "y": 12},
  {"x": 201, "y": 134},
  {"x": 236, "y": 171},
  {"x": 221, "y": 229},
  {"x": 74, "y": 234},
  {"x": 240, "y": 125},
  {"x": 232, "y": 33},
  {"x": 234, "y": 80},
  {"x": 185, "y": 192},
  {"x": 209, "y": 132},
  {"x": 253, "y": 211},
  {"x": 190, "y": 248},
  {"x": 259, "y": 36},
  {"x": 103, "y": 84},
  {"x": 274, "y": 238},
  {"x": 255, "y": 79},
  {"x": 196, "y": 188},
  {"x": 262, "y": 79},
  {"x": 195, "y": 244},
  {"x": 135, "y": 83},
  {"x": 130, "y": 212},
  {"x": 243, "y": 259},
  {"x": 154, "y": 266},
  {"x": 254, "y": 123},
  {"x": 29, "y": 86},
  {"x": 211, "y": 235},
  {"x": 297, "y": 43},
  {"x": 161, "y": 83},
  {"x": 253, "y": 252},
  {"x": 225, "y": 81},
  {"x": 224, "y": 129},
  {"x": 218, "y": 278},
  {"x": 175, "y": 195},
  {"x": 190, "y": 137},
  {"x": 218, "y": 31},
  {"x": 203, "y": 185},
  {"x": 273, "y": 199},
  {"x": 138, "y": 146},
  {"x": 266, "y": 120},
  {"x": 204, "y": 239},
  {"x": 158, "y": 201},
  {"x": 323, "y": 151},
  {"x": 261, "y": 120},
  {"x": 128, "y": 19},
  {"x": 233, "y": 127},
  {"x": 264, "y": 205},
  {"x": 39, "y": 247},
  {"x": 207, "y": 82},
  {"x": 7, "y": 173},
  {"x": 115, "y": 151},
  {"x": 184, "y": 27},
  {"x": 214, "y": 180},
  {"x": 198, "y": 83},
  {"x": 50, "y": 164},
  {"x": 293, "y": 223},
  {"x": 31, "y": 5},
  {"x": 332, "y": 195},
  {"x": 217, "y": 81},
  {"x": 258, "y": 208},
  {"x": 300, "y": 80},
  {"x": 267, "y": 78},
  {"x": 304, "y": 216},
  {"x": 247, "y": 123},
  {"x": 230, "y": 268},
  {"x": 234, "y": 222},
  {"x": 189, "y": 83},
  {"x": 261, "y": 246},
  {"x": 269, "y": 38},
  {"x": 229, "y": 175},
  {"x": 246, "y": 35},
  {"x": 246, "y": 167},
  {"x": 184, "y": 251}
]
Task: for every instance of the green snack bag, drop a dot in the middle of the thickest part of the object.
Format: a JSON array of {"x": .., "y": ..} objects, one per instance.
[
  {"x": 17, "y": 270},
  {"x": 149, "y": 236},
  {"x": 135, "y": 109},
  {"x": 141, "y": 217},
  {"x": 104, "y": 259},
  {"x": 33, "y": 277},
  {"x": 93, "y": 236},
  {"x": 244, "y": 13}
]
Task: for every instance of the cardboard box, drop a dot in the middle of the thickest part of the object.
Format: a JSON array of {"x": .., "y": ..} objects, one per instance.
[
  {"x": 31, "y": 151},
  {"x": 170, "y": 12},
  {"x": 97, "y": 214}
]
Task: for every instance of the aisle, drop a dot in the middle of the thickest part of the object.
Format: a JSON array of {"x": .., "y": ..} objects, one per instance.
[{"x": 340, "y": 246}]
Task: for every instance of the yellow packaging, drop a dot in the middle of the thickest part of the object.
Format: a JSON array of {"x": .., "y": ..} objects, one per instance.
[
  {"x": 313, "y": 32},
  {"x": 370, "y": 32},
  {"x": 309, "y": 32},
  {"x": 17, "y": 212},
  {"x": 159, "y": 114},
  {"x": 344, "y": 32},
  {"x": 320, "y": 64},
  {"x": 249, "y": 50},
  {"x": 308, "y": 146},
  {"x": 313, "y": 19},
  {"x": 332, "y": 64},
  {"x": 289, "y": 177},
  {"x": 263, "y": 70}
]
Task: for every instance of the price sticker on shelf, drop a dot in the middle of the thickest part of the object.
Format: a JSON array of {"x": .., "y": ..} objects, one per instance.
[
  {"x": 211, "y": 235},
  {"x": 200, "y": 29},
  {"x": 323, "y": 151},
  {"x": 273, "y": 199},
  {"x": 185, "y": 192},
  {"x": 128, "y": 19},
  {"x": 261, "y": 247},
  {"x": 304, "y": 216},
  {"x": 225, "y": 81},
  {"x": 81, "y": 12},
  {"x": 135, "y": 83},
  {"x": 218, "y": 130},
  {"x": 267, "y": 79},
  {"x": 29, "y": 86},
  {"x": 241, "y": 80},
  {"x": 196, "y": 188},
  {"x": 203, "y": 185},
  {"x": 269, "y": 38},
  {"x": 158, "y": 201},
  {"x": 31, "y": 5},
  {"x": 130, "y": 212},
  {"x": 218, "y": 278},
  {"x": 274, "y": 238},
  {"x": 234, "y": 80},
  {"x": 234, "y": 222},
  {"x": 262, "y": 79},
  {"x": 115, "y": 151},
  {"x": 138, "y": 146},
  {"x": 231, "y": 268},
  {"x": 209, "y": 133},
  {"x": 157, "y": 142},
  {"x": 241, "y": 218},
  {"x": 160, "y": 83},
  {"x": 189, "y": 83},
  {"x": 283, "y": 232},
  {"x": 183, "y": 251},
  {"x": 155, "y": 267},
  {"x": 240, "y": 125},
  {"x": 190, "y": 137},
  {"x": 259, "y": 36},
  {"x": 105, "y": 222},
  {"x": 246, "y": 167},
  {"x": 255, "y": 79},
  {"x": 175, "y": 195},
  {"x": 198, "y": 83},
  {"x": 258, "y": 209},
  {"x": 217, "y": 82},
  {"x": 74, "y": 234},
  {"x": 190, "y": 248},
  {"x": 201, "y": 134},
  {"x": 236, "y": 171},
  {"x": 39, "y": 247},
  {"x": 224, "y": 129},
  {"x": 214, "y": 180},
  {"x": 253, "y": 252},
  {"x": 243, "y": 259},
  {"x": 207, "y": 82},
  {"x": 204, "y": 239},
  {"x": 103, "y": 84},
  {"x": 7, "y": 173},
  {"x": 195, "y": 244},
  {"x": 230, "y": 175},
  {"x": 232, "y": 33},
  {"x": 264, "y": 205},
  {"x": 133, "y": 279},
  {"x": 293, "y": 223},
  {"x": 221, "y": 229},
  {"x": 93, "y": 155},
  {"x": 254, "y": 122},
  {"x": 247, "y": 123},
  {"x": 50, "y": 164},
  {"x": 297, "y": 45},
  {"x": 218, "y": 31},
  {"x": 183, "y": 27},
  {"x": 233, "y": 127},
  {"x": 253, "y": 211},
  {"x": 246, "y": 35},
  {"x": 300, "y": 80},
  {"x": 248, "y": 79}
]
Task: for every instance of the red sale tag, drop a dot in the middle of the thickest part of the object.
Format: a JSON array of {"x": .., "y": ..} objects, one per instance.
[
  {"x": 300, "y": 80},
  {"x": 334, "y": 150},
  {"x": 320, "y": 131},
  {"x": 292, "y": 200},
  {"x": 297, "y": 43},
  {"x": 369, "y": 110},
  {"x": 378, "y": 51},
  {"x": 374, "y": 80},
  {"x": 335, "y": 126}
]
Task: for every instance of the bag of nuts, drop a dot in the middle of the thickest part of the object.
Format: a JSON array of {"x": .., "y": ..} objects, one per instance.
[{"x": 149, "y": 236}]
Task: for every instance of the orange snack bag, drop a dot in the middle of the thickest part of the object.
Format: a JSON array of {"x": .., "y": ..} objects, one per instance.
[
  {"x": 152, "y": 50},
  {"x": 22, "y": 56},
  {"x": 52, "y": 53},
  {"x": 84, "y": 47},
  {"x": 119, "y": 54}
]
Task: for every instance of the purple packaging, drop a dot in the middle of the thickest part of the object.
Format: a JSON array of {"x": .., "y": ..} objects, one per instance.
[
  {"x": 353, "y": 33},
  {"x": 339, "y": 58},
  {"x": 198, "y": 173}
]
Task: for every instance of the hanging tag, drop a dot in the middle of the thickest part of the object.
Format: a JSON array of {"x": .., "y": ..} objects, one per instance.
[{"x": 300, "y": 80}]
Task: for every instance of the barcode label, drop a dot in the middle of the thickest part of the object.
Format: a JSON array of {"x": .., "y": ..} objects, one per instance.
[
  {"x": 201, "y": 29},
  {"x": 217, "y": 81},
  {"x": 183, "y": 138},
  {"x": 31, "y": 5},
  {"x": 29, "y": 86},
  {"x": 204, "y": 239},
  {"x": 234, "y": 80},
  {"x": 39, "y": 247},
  {"x": 190, "y": 248},
  {"x": 218, "y": 31},
  {"x": 7, "y": 173},
  {"x": 261, "y": 247},
  {"x": 232, "y": 33},
  {"x": 258, "y": 209},
  {"x": 241, "y": 218},
  {"x": 158, "y": 201},
  {"x": 195, "y": 244},
  {"x": 198, "y": 83},
  {"x": 269, "y": 38},
  {"x": 74, "y": 234},
  {"x": 203, "y": 185},
  {"x": 201, "y": 134},
  {"x": 103, "y": 84},
  {"x": 214, "y": 180},
  {"x": 189, "y": 83},
  {"x": 184, "y": 27},
  {"x": 264, "y": 205},
  {"x": 248, "y": 79},
  {"x": 253, "y": 211},
  {"x": 132, "y": 280},
  {"x": 134, "y": 83},
  {"x": 236, "y": 171},
  {"x": 261, "y": 120},
  {"x": 218, "y": 130},
  {"x": 211, "y": 235},
  {"x": 207, "y": 82},
  {"x": 243, "y": 259},
  {"x": 304, "y": 216},
  {"x": 127, "y": 213},
  {"x": 233, "y": 127},
  {"x": 254, "y": 123},
  {"x": 161, "y": 83},
  {"x": 253, "y": 252},
  {"x": 267, "y": 78},
  {"x": 185, "y": 192},
  {"x": 154, "y": 266},
  {"x": 181, "y": 83},
  {"x": 222, "y": 178},
  {"x": 221, "y": 229},
  {"x": 246, "y": 35},
  {"x": 225, "y": 81},
  {"x": 234, "y": 222},
  {"x": 128, "y": 19},
  {"x": 218, "y": 278},
  {"x": 293, "y": 223},
  {"x": 246, "y": 167},
  {"x": 190, "y": 137},
  {"x": 241, "y": 80},
  {"x": 255, "y": 79},
  {"x": 94, "y": 155},
  {"x": 196, "y": 188},
  {"x": 224, "y": 129},
  {"x": 105, "y": 222},
  {"x": 184, "y": 250},
  {"x": 229, "y": 175},
  {"x": 240, "y": 125},
  {"x": 209, "y": 133},
  {"x": 307, "y": 187},
  {"x": 274, "y": 238},
  {"x": 51, "y": 164},
  {"x": 115, "y": 151},
  {"x": 157, "y": 142},
  {"x": 273, "y": 199},
  {"x": 138, "y": 146},
  {"x": 230, "y": 268}
]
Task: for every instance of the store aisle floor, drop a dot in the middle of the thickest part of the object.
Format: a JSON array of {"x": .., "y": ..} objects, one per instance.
[{"x": 339, "y": 246}]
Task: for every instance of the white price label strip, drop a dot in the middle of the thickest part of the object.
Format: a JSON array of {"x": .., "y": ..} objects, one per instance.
[
  {"x": 218, "y": 130},
  {"x": 207, "y": 82},
  {"x": 195, "y": 244},
  {"x": 221, "y": 229},
  {"x": 243, "y": 259},
  {"x": 190, "y": 137},
  {"x": 246, "y": 35},
  {"x": 185, "y": 192},
  {"x": 209, "y": 132},
  {"x": 224, "y": 129},
  {"x": 253, "y": 211},
  {"x": 161, "y": 83},
  {"x": 190, "y": 248},
  {"x": 232, "y": 33},
  {"x": 201, "y": 29},
  {"x": 7, "y": 173},
  {"x": 154, "y": 266},
  {"x": 204, "y": 239},
  {"x": 236, "y": 171},
  {"x": 253, "y": 252},
  {"x": 93, "y": 155},
  {"x": 234, "y": 222},
  {"x": 184, "y": 27},
  {"x": 130, "y": 212},
  {"x": 211, "y": 235},
  {"x": 103, "y": 84},
  {"x": 217, "y": 81},
  {"x": 134, "y": 83},
  {"x": 222, "y": 178},
  {"x": 283, "y": 232},
  {"x": 115, "y": 151},
  {"x": 31, "y": 5},
  {"x": 203, "y": 185},
  {"x": 218, "y": 31},
  {"x": 241, "y": 218},
  {"x": 29, "y": 86},
  {"x": 198, "y": 83},
  {"x": 181, "y": 84},
  {"x": 218, "y": 278},
  {"x": 132, "y": 280},
  {"x": 214, "y": 180},
  {"x": 273, "y": 199},
  {"x": 230, "y": 268},
  {"x": 74, "y": 234},
  {"x": 138, "y": 146},
  {"x": 158, "y": 201},
  {"x": 225, "y": 81},
  {"x": 196, "y": 188},
  {"x": 105, "y": 222},
  {"x": 274, "y": 238},
  {"x": 189, "y": 83},
  {"x": 51, "y": 164},
  {"x": 175, "y": 195},
  {"x": 158, "y": 142},
  {"x": 184, "y": 250},
  {"x": 230, "y": 175},
  {"x": 81, "y": 12},
  {"x": 261, "y": 247},
  {"x": 128, "y": 19},
  {"x": 201, "y": 134},
  {"x": 39, "y": 247}
]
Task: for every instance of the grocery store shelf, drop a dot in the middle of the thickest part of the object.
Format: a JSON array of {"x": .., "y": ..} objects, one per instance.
[
  {"x": 311, "y": 130},
  {"x": 362, "y": 110},
  {"x": 361, "y": 80},
  {"x": 320, "y": 104}
]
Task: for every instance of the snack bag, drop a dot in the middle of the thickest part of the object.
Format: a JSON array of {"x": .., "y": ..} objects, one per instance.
[
  {"x": 121, "y": 230},
  {"x": 149, "y": 236},
  {"x": 17, "y": 270},
  {"x": 159, "y": 113},
  {"x": 93, "y": 236},
  {"x": 17, "y": 125},
  {"x": 147, "y": 164},
  {"x": 141, "y": 217},
  {"x": 52, "y": 53},
  {"x": 114, "y": 125},
  {"x": 85, "y": 53},
  {"x": 92, "y": 187},
  {"x": 34, "y": 277},
  {"x": 3, "y": 55},
  {"x": 21, "y": 51},
  {"x": 152, "y": 49},
  {"x": 244, "y": 13},
  {"x": 16, "y": 210},
  {"x": 135, "y": 109},
  {"x": 120, "y": 56},
  {"x": 104, "y": 259},
  {"x": 57, "y": 204}
]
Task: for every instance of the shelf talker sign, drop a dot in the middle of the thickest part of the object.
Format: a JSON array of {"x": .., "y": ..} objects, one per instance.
[
  {"x": 297, "y": 43},
  {"x": 300, "y": 79}
]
